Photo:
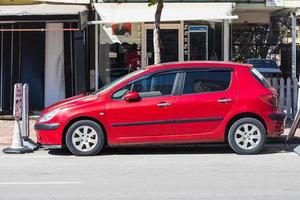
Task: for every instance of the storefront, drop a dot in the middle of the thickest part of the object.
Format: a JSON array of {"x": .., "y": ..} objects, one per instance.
[
  {"x": 42, "y": 45},
  {"x": 189, "y": 31}
]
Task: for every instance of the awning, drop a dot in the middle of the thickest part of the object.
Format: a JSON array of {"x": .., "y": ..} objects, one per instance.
[
  {"x": 41, "y": 9},
  {"x": 141, "y": 12}
]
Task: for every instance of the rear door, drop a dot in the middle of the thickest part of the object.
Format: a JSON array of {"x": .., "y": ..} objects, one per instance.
[{"x": 207, "y": 96}]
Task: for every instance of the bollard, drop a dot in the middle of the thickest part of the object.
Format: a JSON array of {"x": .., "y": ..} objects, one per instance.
[
  {"x": 25, "y": 119},
  {"x": 17, "y": 146}
]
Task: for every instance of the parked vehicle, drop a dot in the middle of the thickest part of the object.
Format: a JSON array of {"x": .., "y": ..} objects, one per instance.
[
  {"x": 186, "y": 102},
  {"x": 267, "y": 67}
]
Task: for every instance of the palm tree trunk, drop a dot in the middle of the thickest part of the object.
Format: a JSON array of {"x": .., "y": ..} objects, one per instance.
[{"x": 156, "y": 35}]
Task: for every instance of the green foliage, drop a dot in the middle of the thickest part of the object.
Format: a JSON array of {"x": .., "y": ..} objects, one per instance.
[
  {"x": 258, "y": 40},
  {"x": 152, "y": 2}
]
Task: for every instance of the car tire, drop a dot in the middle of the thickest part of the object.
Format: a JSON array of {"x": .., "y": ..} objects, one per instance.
[
  {"x": 85, "y": 138},
  {"x": 247, "y": 136}
]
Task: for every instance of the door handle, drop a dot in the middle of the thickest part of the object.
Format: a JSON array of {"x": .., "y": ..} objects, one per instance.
[
  {"x": 225, "y": 100},
  {"x": 163, "y": 104}
]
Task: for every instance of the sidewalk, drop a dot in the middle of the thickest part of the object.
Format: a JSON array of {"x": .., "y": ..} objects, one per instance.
[{"x": 6, "y": 130}]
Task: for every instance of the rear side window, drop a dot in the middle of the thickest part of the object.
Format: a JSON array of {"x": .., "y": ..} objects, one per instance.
[
  {"x": 258, "y": 76},
  {"x": 206, "y": 81}
]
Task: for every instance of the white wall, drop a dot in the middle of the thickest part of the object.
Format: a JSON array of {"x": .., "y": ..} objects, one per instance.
[{"x": 54, "y": 64}]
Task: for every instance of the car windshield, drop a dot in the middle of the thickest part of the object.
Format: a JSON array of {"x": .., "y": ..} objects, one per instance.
[
  {"x": 119, "y": 80},
  {"x": 263, "y": 63}
]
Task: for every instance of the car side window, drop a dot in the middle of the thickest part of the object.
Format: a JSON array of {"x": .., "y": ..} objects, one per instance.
[
  {"x": 157, "y": 85},
  {"x": 206, "y": 81}
]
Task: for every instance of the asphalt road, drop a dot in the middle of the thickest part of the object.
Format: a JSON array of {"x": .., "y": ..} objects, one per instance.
[{"x": 169, "y": 172}]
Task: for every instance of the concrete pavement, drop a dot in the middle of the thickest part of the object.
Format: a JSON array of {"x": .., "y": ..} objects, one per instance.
[
  {"x": 6, "y": 130},
  {"x": 168, "y": 172}
]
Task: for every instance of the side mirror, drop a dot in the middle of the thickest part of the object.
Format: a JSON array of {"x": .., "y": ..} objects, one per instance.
[{"x": 132, "y": 96}]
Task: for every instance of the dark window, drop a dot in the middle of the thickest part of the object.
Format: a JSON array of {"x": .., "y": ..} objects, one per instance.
[
  {"x": 206, "y": 81},
  {"x": 149, "y": 87}
]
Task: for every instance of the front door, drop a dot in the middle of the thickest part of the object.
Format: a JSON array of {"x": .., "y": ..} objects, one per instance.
[{"x": 150, "y": 117}]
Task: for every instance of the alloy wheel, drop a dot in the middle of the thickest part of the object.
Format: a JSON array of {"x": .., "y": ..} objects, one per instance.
[
  {"x": 247, "y": 136},
  {"x": 84, "y": 138}
]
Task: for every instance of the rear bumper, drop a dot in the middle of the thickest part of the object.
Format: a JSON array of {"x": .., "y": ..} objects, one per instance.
[
  {"x": 276, "y": 123},
  {"x": 278, "y": 116}
]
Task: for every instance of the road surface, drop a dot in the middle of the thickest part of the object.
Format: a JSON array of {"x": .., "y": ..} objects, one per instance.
[{"x": 168, "y": 172}]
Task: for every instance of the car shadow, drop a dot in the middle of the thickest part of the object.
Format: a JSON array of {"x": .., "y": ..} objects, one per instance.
[{"x": 273, "y": 146}]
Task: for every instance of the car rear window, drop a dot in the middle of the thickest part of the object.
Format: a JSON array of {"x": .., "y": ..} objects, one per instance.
[
  {"x": 206, "y": 81},
  {"x": 258, "y": 76}
]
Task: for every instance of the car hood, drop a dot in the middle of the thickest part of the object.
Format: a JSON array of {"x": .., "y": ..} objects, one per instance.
[{"x": 72, "y": 101}]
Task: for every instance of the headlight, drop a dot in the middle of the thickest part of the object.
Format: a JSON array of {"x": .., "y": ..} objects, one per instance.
[{"x": 48, "y": 116}]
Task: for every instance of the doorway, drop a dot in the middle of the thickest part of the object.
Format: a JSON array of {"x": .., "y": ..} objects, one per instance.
[
  {"x": 170, "y": 41},
  {"x": 198, "y": 42}
]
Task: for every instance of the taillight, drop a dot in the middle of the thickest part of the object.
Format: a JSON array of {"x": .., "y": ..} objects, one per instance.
[{"x": 271, "y": 100}]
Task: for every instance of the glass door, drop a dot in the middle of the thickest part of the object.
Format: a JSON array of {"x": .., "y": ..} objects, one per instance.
[
  {"x": 170, "y": 43},
  {"x": 198, "y": 42}
]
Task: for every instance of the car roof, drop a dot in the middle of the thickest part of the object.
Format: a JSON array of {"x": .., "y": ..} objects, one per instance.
[{"x": 199, "y": 64}]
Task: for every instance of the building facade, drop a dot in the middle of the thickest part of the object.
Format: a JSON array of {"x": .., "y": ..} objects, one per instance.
[
  {"x": 190, "y": 30},
  {"x": 66, "y": 47},
  {"x": 46, "y": 46}
]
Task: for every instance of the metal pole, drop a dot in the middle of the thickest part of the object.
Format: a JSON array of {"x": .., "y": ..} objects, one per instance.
[
  {"x": 226, "y": 40},
  {"x": 96, "y": 53},
  {"x": 293, "y": 45}
]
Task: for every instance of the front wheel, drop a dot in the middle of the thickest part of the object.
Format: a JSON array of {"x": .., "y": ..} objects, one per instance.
[
  {"x": 247, "y": 136},
  {"x": 85, "y": 138}
]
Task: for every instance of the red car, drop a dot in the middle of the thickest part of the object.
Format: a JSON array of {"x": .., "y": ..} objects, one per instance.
[{"x": 188, "y": 102}]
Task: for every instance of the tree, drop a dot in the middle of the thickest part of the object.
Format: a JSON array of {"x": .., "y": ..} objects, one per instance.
[
  {"x": 260, "y": 40},
  {"x": 156, "y": 31}
]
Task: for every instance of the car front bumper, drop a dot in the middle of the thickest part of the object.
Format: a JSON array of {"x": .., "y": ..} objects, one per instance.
[{"x": 49, "y": 134}]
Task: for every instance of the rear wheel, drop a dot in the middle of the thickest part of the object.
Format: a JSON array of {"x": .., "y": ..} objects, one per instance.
[
  {"x": 85, "y": 138},
  {"x": 247, "y": 136}
]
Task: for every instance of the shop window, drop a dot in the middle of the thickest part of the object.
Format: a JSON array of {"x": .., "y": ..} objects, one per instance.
[{"x": 120, "y": 51}]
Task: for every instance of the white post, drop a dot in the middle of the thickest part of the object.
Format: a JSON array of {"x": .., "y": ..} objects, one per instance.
[
  {"x": 275, "y": 83},
  {"x": 25, "y": 111},
  {"x": 96, "y": 53},
  {"x": 295, "y": 96},
  {"x": 54, "y": 64},
  {"x": 281, "y": 94},
  {"x": 226, "y": 40}
]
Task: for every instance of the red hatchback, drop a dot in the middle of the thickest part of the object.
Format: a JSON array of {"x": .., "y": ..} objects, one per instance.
[{"x": 188, "y": 102}]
